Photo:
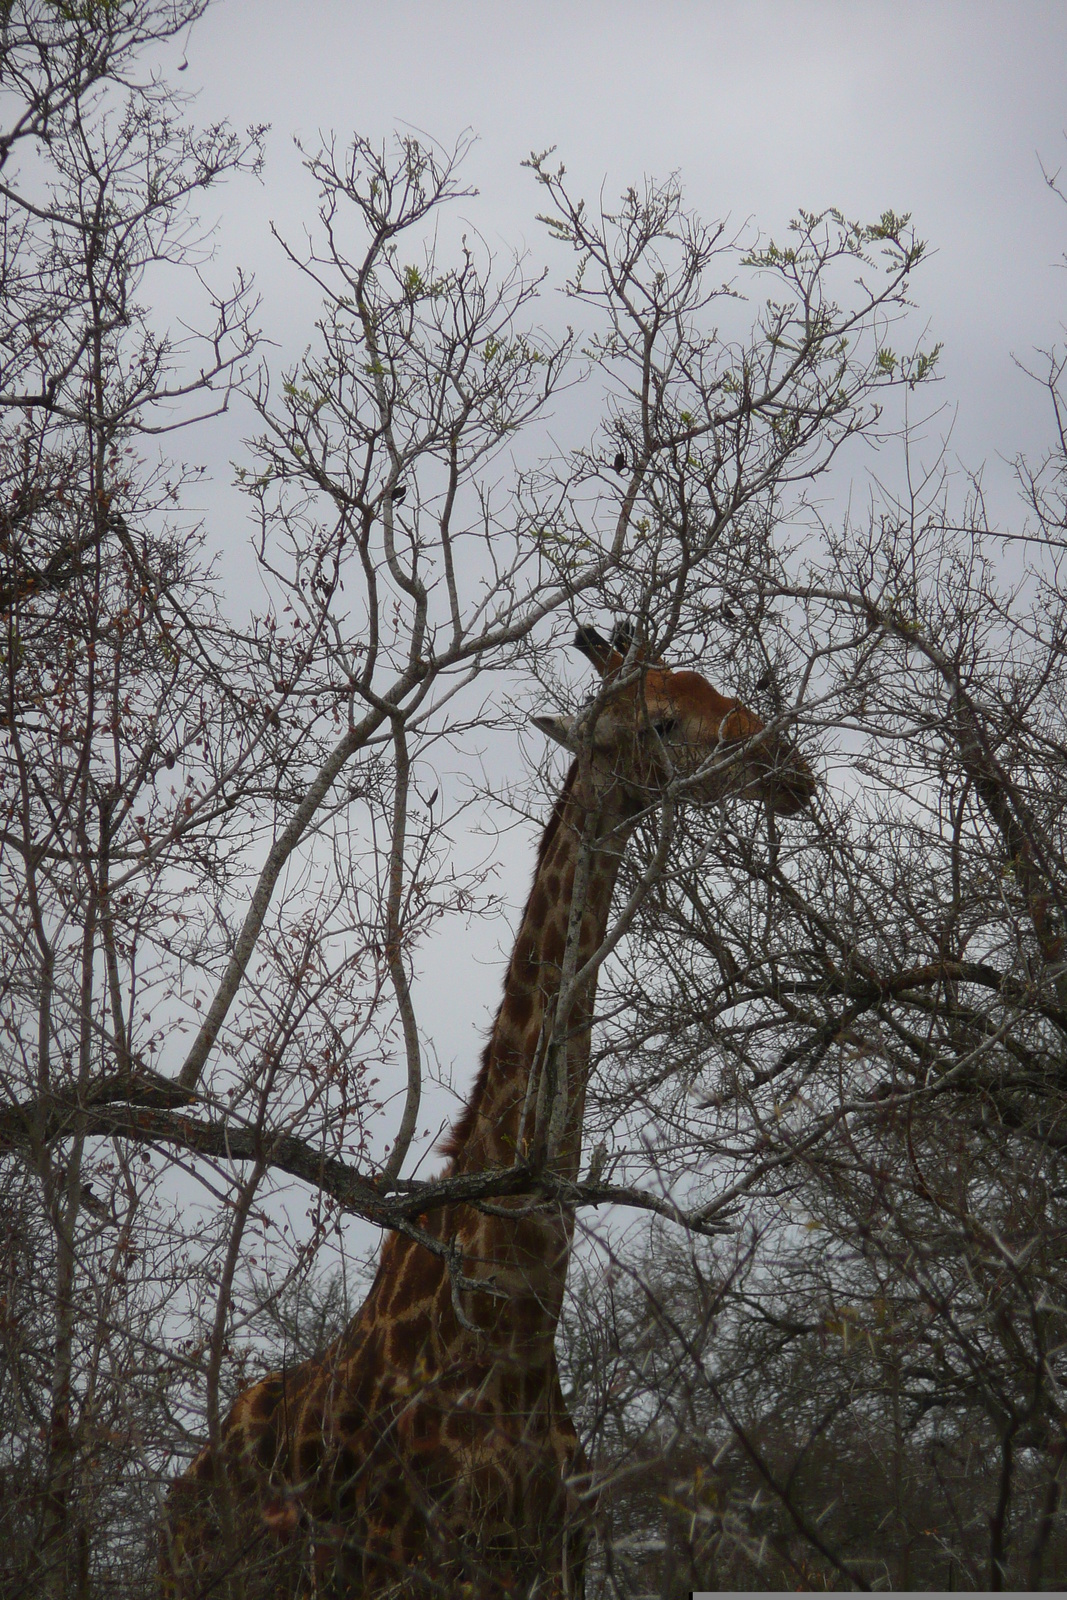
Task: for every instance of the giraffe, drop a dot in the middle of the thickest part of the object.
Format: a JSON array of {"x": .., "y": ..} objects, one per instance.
[{"x": 428, "y": 1451}]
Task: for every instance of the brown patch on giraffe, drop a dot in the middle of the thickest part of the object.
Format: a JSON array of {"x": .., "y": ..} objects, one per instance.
[
  {"x": 266, "y": 1447},
  {"x": 510, "y": 1391},
  {"x": 202, "y": 1469},
  {"x": 534, "y": 1391},
  {"x": 309, "y": 1453},
  {"x": 507, "y": 1061},
  {"x": 537, "y": 905},
  {"x": 462, "y": 1426},
  {"x": 536, "y": 1241},
  {"x": 407, "y": 1341},
  {"x": 520, "y": 1005},
  {"x": 527, "y": 963},
  {"x": 526, "y": 1318},
  {"x": 265, "y": 1396},
  {"x": 553, "y": 945},
  {"x": 346, "y": 1464}
]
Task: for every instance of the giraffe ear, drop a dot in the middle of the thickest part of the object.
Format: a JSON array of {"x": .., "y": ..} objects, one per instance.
[{"x": 559, "y": 728}]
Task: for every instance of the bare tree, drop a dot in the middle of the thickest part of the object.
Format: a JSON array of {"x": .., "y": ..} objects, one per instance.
[
  {"x": 225, "y": 831},
  {"x": 104, "y": 692},
  {"x": 852, "y": 1043}
]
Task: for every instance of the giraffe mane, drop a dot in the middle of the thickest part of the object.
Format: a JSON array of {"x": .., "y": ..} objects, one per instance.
[{"x": 461, "y": 1130}]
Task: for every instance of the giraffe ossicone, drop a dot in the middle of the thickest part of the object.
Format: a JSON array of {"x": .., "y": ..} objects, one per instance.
[{"x": 428, "y": 1451}]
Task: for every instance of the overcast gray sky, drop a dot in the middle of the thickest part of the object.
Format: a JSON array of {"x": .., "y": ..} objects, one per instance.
[
  {"x": 763, "y": 106},
  {"x": 940, "y": 109}
]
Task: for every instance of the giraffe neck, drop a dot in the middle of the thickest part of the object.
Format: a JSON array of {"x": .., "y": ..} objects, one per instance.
[{"x": 529, "y": 1099}]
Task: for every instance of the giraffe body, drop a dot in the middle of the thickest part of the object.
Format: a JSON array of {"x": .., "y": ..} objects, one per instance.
[{"x": 428, "y": 1451}]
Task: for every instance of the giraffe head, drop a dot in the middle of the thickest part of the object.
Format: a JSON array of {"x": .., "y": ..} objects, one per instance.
[{"x": 650, "y": 725}]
